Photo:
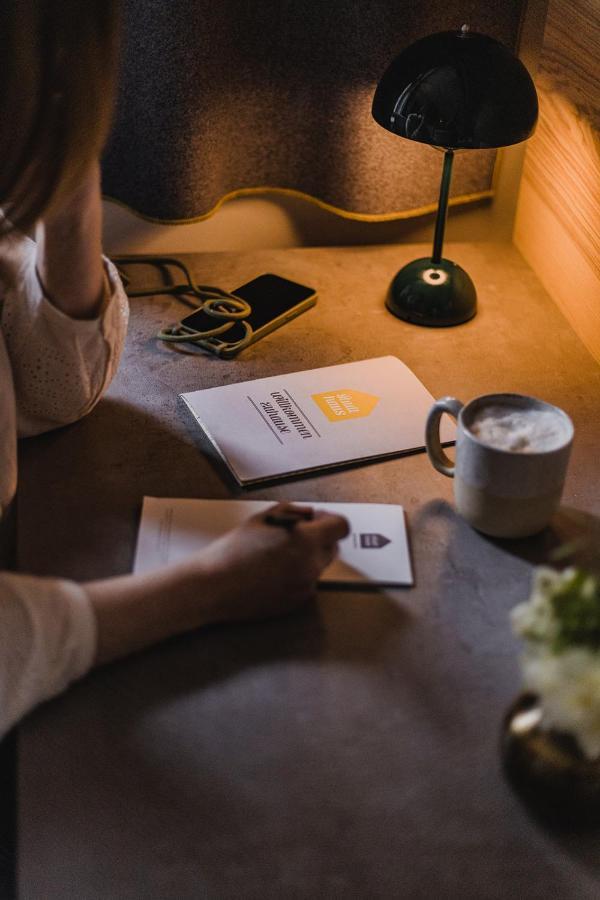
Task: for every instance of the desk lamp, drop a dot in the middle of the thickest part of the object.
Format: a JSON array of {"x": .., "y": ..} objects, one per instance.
[{"x": 455, "y": 90}]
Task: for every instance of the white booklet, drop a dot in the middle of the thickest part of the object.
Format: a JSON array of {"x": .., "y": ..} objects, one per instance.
[
  {"x": 375, "y": 552},
  {"x": 284, "y": 424}
]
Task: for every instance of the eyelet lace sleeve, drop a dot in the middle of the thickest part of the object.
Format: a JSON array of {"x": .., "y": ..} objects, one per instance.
[
  {"x": 47, "y": 640},
  {"x": 60, "y": 365}
]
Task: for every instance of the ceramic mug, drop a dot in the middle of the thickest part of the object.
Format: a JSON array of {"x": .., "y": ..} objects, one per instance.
[{"x": 507, "y": 481}]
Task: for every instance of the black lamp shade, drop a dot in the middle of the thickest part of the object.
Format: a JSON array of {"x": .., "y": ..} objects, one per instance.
[{"x": 457, "y": 90}]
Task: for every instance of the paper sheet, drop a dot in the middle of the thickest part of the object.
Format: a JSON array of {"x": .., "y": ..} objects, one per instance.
[{"x": 375, "y": 552}]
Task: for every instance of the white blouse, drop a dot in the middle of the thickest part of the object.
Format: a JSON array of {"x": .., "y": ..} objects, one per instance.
[{"x": 53, "y": 369}]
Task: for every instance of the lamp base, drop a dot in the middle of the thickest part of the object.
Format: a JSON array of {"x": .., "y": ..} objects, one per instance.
[{"x": 434, "y": 294}]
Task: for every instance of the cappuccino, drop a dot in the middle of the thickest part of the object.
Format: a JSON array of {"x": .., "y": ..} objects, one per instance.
[
  {"x": 511, "y": 458},
  {"x": 519, "y": 430}
]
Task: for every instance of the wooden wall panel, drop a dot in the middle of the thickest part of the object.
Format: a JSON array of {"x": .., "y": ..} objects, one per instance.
[{"x": 557, "y": 226}]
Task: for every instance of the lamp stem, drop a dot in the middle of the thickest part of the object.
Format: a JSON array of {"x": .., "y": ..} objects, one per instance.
[{"x": 440, "y": 222}]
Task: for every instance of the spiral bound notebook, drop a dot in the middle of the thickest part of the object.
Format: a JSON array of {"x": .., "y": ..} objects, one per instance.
[
  {"x": 289, "y": 424},
  {"x": 374, "y": 553}
]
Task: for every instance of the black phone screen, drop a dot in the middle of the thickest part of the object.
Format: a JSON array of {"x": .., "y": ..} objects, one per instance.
[{"x": 270, "y": 296}]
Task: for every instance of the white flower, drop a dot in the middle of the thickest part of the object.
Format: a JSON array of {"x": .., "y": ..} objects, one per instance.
[
  {"x": 568, "y": 685},
  {"x": 535, "y": 620},
  {"x": 566, "y": 680}
]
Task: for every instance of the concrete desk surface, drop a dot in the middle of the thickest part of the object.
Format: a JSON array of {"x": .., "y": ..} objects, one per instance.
[{"x": 350, "y": 750}]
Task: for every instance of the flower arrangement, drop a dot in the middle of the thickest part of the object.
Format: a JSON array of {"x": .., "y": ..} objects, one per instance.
[{"x": 560, "y": 627}]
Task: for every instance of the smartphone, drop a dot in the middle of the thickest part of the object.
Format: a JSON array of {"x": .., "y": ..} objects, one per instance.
[{"x": 274, "y": 301}]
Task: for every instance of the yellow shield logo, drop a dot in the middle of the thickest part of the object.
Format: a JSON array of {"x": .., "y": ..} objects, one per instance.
[{"x": 339, "y": 406}]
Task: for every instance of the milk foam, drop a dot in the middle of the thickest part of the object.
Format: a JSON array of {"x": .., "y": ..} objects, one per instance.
[{"x": 519, "y": 430}]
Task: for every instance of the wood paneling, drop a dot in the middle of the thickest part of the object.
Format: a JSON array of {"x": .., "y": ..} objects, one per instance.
[
  {"x": 557, "y": 227},
  {"x": 571, "y": 54}
]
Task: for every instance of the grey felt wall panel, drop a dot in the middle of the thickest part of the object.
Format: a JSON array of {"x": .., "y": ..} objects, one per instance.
[{"x": 218, "y": 97}]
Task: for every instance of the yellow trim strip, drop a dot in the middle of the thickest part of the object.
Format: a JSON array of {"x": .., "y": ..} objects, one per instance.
[{"x": 291, "y": 192}]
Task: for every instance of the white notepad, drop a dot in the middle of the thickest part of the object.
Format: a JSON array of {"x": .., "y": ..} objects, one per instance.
[
  {"x": 375, "y": 552},
  {"x": 284, "y": 424}
]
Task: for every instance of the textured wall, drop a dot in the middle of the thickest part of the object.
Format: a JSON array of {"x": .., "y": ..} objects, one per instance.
[
  {"x": 218, "y": 98},
  {"x": 557, "y": 226}
]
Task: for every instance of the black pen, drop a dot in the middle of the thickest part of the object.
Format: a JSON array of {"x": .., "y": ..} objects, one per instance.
[{"x": 289, "y": 519}]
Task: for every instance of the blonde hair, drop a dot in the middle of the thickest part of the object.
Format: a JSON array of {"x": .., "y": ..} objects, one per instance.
[{"x": 56, "y": 94}]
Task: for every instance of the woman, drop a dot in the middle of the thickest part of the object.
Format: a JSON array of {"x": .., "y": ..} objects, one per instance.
[{"x": 63, "y": 322}]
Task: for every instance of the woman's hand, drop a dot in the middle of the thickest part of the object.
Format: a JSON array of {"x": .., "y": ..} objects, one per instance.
[
  {"x": 260, "y": 570},
  {"x": 255, "y": 571}
]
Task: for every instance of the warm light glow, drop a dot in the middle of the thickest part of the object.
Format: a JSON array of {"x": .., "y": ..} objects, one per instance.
[
  {"x": 526, "y": 721},
  {"x": 435, "y": 276},
  {"x": 557, "y": 227}
]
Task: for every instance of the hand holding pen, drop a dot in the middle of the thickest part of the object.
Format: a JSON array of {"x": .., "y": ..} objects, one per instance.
[
  {"x": 289, "y": 516},
  {"x": 272, "y": 563}
]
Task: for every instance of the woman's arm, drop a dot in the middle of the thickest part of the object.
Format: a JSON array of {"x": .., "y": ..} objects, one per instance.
[
  {"x": 64, "y": 314},
  {"x": 69, "y": 256},
  {"x": 52, "y": 632},
  {"x": 255, "y": 571}
]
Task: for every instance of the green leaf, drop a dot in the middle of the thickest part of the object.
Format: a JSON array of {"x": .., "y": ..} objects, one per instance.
[{"x": 576, "y": 607}]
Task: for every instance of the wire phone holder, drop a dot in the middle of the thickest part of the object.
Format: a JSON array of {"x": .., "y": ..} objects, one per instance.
[{"x": 226, "y": 308}]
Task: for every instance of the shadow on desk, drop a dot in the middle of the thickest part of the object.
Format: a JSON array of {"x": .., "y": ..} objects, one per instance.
[
  {"x": 160, "y": 733},
  {"x": 351, "y": 628},
  {"x": 96, "y": 472},
  {"x": 469, "y": 560},
  {"x": 572, "y": 538}
]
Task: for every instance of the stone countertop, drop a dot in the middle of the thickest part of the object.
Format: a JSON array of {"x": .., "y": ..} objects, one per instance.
[{"x": 351, "y": 750}]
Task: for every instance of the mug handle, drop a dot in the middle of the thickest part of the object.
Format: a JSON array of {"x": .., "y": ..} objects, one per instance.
[{"x": 435, "y": 452}]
